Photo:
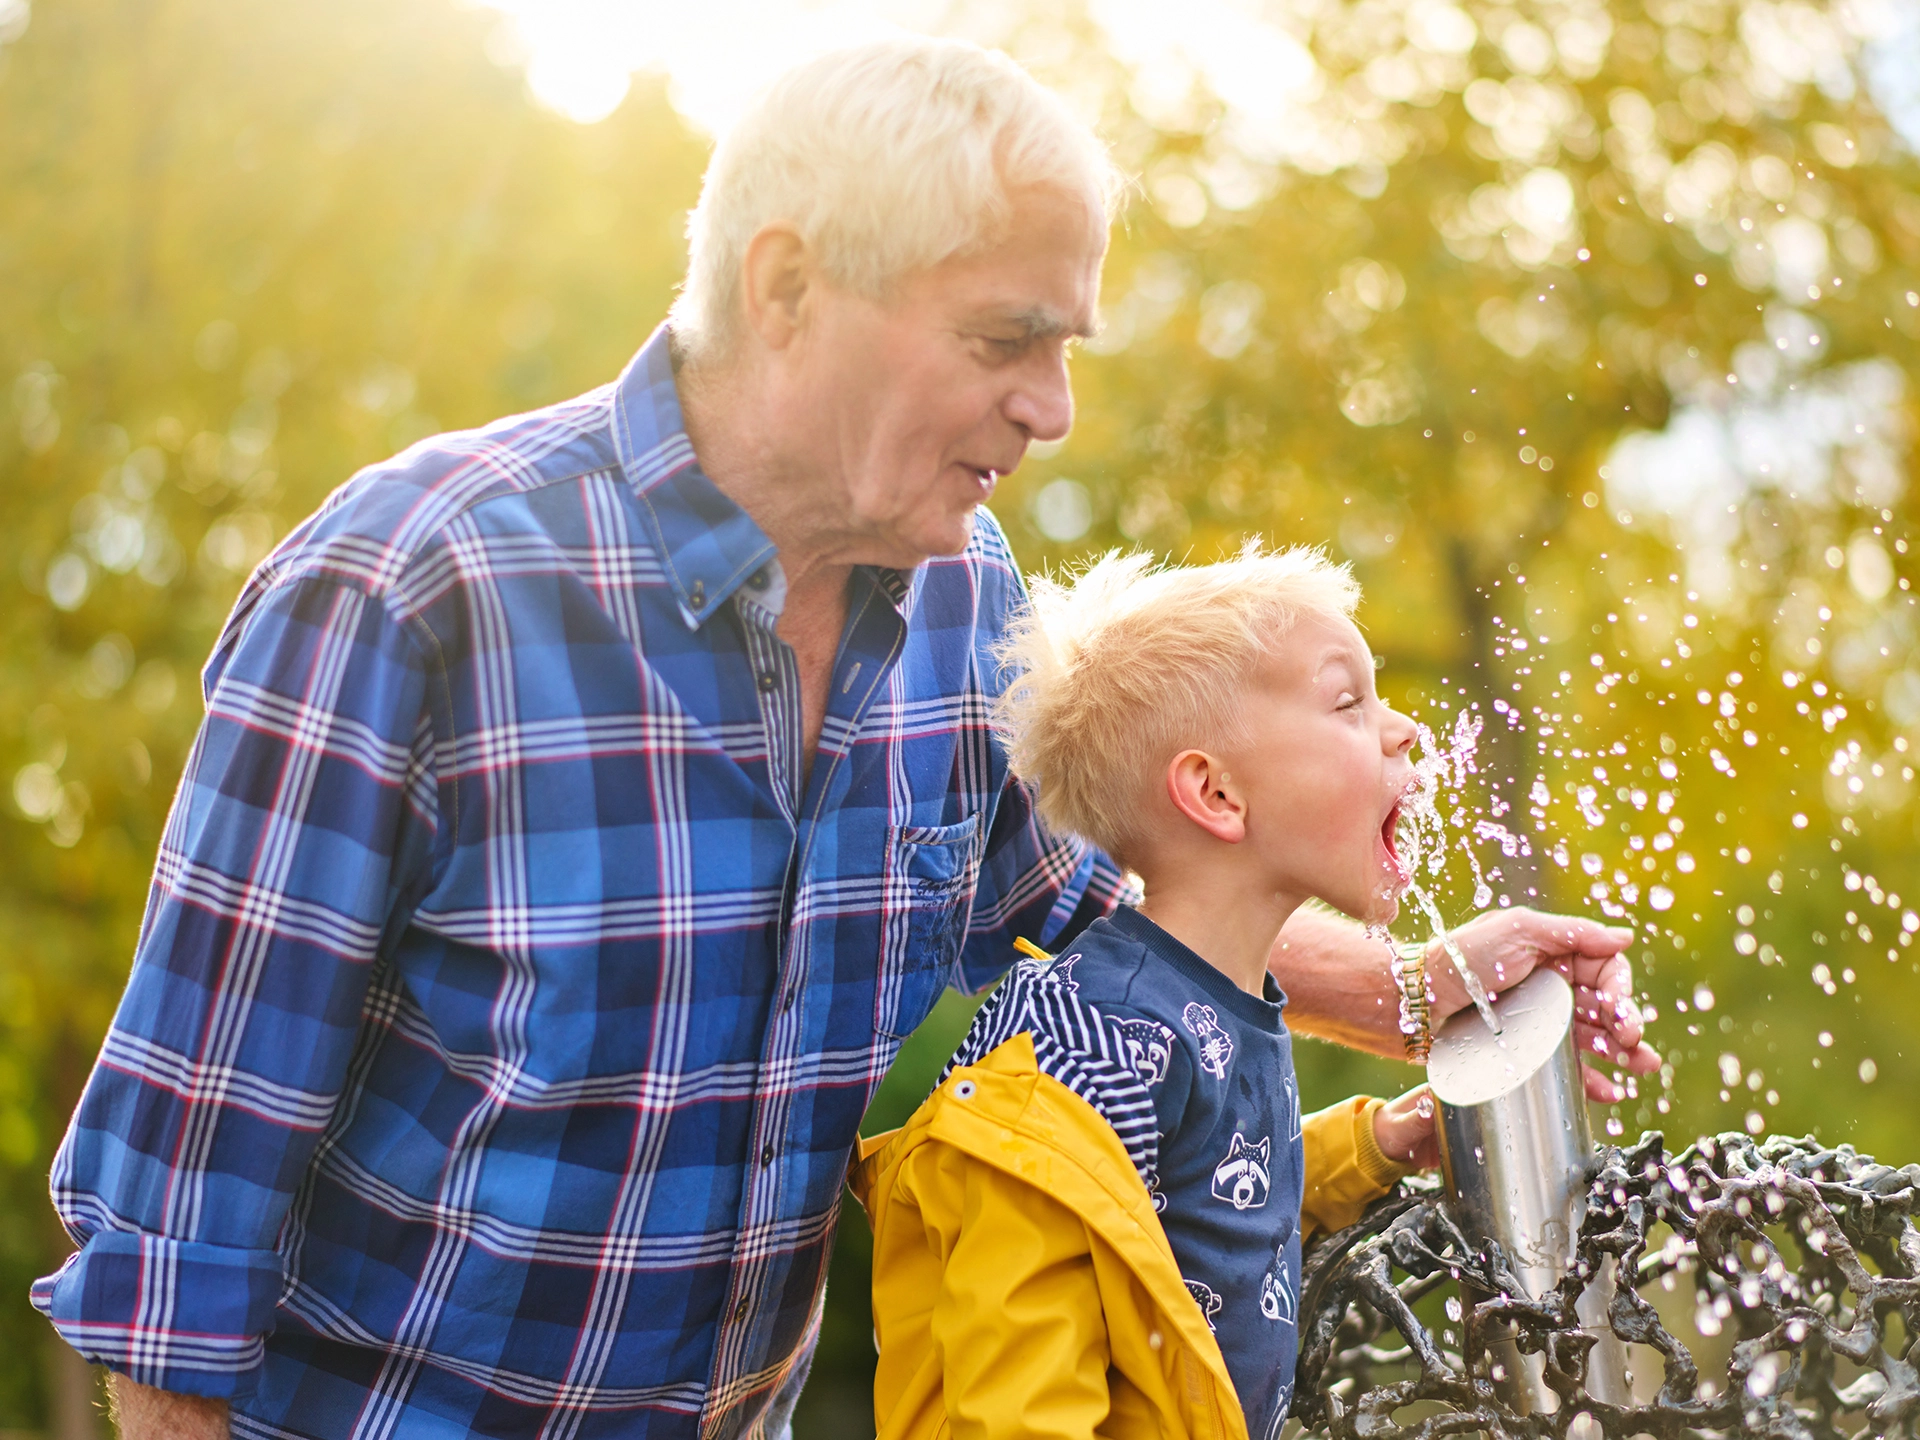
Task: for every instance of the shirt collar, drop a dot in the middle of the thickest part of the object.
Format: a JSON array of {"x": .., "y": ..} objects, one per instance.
[
  {"x": 708, "y": 545},
  {"x": 1263, "y": 1011}
]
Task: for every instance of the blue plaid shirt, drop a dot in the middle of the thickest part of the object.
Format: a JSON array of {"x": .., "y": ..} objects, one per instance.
[{"x": 507, "y": 1001}]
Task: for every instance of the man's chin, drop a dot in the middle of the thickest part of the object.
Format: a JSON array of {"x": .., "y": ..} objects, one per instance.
[
  {"x": 904, "y": 552},
  {"x": 957, "y": 532}
]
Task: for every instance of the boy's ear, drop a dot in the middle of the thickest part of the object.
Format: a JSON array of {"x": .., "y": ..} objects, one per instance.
[{"x": 1203, "y": 791}]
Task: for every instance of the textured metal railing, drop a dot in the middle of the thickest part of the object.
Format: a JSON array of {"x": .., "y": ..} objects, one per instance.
[{"x": 1805, "y": 1256}]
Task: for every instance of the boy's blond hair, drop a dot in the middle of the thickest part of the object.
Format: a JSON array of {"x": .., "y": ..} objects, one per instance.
[{"x": 1118, "y": 668}]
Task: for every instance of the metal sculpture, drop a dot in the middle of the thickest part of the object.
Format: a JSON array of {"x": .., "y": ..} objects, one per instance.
[{"x": 1807, "y": 1254}]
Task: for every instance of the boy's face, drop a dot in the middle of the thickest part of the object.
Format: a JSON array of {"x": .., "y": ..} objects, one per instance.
[{"x": 1324, "y": 771}]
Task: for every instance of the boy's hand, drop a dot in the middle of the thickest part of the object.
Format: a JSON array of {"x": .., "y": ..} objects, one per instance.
[
  {"x": 1403, "y": 1129},
  {"x": 1505, "y": 946}
]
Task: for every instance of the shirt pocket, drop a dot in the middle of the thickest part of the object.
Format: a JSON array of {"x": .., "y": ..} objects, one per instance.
[{"x": 932, "y": 871}]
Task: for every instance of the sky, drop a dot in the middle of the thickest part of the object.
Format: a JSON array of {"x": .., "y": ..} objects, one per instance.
[{"x": 580, "y": 55}]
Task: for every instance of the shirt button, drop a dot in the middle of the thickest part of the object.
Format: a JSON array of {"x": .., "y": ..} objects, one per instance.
[
  {"x": 697, "y": 596},
  {"x": 786, "y": 1001},
  {"x": 769, "y": 682},
  {"x": 766, "y": 1156},
  {"x": 740, "y": 1310}
]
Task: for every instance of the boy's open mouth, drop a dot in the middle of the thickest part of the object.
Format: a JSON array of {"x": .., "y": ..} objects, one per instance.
[{"x": 1388, "y": 827}]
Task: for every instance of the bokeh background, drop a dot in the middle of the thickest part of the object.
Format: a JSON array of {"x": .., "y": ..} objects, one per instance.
[{"x": 1588, "y": 330}]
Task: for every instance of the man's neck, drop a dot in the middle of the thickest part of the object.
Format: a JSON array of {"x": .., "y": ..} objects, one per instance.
[
  {"x": 1231, "y": 926},
  {"x": 730, "y": 420},
  {"x": 729, "y": 423}
]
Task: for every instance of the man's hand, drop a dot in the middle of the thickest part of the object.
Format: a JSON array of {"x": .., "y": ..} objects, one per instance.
[
  {"x": 141, "y": 1412},
  {"x": 1503, "y": 947}
]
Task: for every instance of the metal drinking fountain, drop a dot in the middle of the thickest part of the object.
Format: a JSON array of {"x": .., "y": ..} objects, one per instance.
[{"x": 1516, "y": 1153}]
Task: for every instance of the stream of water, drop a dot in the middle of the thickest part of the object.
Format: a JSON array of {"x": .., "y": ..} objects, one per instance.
[{"x": 1440, "y": 771}]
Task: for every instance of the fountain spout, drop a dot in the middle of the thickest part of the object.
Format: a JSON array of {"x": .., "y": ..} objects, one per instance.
[{"x": 1517, "y": 1156}]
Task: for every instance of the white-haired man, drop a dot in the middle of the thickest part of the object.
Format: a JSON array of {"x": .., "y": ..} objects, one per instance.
[{"x": 586, "y": 807}]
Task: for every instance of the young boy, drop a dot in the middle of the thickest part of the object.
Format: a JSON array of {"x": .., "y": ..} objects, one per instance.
[{"x": 1093, "y": 1225}]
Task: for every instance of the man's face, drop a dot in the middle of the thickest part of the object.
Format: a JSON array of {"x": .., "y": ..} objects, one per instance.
[
  {"x": 911, "y": 409},
  {"x": 1324, "y": 772}
]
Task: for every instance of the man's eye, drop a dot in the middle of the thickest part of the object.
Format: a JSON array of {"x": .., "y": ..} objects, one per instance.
[{"x": 1006, "y": 345}]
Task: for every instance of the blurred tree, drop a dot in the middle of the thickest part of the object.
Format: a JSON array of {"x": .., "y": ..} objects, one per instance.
[{"x": 243, "y": 251}]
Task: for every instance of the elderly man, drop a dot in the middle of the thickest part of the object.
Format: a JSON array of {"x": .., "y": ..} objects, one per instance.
[{"x": 589, "y": 804}]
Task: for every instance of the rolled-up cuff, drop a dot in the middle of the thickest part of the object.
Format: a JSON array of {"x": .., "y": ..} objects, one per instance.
[
  {"x": 1345, "y": 1170},
  {"x": 1374, "y": 1162},
  {"x": 174, "y": 1314}
]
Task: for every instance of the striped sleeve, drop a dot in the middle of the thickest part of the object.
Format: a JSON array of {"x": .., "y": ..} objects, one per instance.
[
  {"x": 1084, "y": 1048},
  {"x": 304, "y": 825}
]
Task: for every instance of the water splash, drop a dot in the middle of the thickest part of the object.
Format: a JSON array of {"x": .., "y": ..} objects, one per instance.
[{"x": 1439, "y": 773}]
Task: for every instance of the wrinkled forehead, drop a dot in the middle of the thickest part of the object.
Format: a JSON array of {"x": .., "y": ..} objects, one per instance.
[{"x": 1040, "y": 266}]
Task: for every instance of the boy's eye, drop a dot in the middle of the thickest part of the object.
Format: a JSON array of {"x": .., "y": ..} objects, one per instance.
[{"x": 1348, "y": 700}]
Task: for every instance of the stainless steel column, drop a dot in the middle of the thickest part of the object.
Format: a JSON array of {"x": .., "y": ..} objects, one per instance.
[{"x": 1515, "y": 1150}]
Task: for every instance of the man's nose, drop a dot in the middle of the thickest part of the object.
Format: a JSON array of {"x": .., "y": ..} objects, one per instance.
[{"x": 1041, "y": 403}]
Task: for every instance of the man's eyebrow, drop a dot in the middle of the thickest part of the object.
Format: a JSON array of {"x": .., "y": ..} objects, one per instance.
[{"x": 1037, "y": 322}]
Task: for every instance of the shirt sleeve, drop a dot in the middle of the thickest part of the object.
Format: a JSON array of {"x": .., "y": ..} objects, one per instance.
[
  {"x": 304, "y": 825},
  {"x": 1034, "y": 885}
]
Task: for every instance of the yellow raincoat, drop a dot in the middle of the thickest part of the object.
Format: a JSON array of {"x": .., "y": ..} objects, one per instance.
[{"x": 1022, "y": 1284}]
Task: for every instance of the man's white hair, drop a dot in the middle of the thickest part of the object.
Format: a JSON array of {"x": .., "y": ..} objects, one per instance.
[{"x": 887, "y": 158}]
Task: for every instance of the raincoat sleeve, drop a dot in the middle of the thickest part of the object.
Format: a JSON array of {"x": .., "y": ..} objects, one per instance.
[
  {"x": 1345, "y": 1170},
  {"x": 1018, "y": 1332}
]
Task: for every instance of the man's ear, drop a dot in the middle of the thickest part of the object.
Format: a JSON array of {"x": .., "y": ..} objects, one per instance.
[
  {"x": 775, "y": 275},
  {"x": 1203, "y": 791}
]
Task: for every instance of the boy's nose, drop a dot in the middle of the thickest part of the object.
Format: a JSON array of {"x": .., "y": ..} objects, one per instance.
[{"x": 1397, "y": 735}]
